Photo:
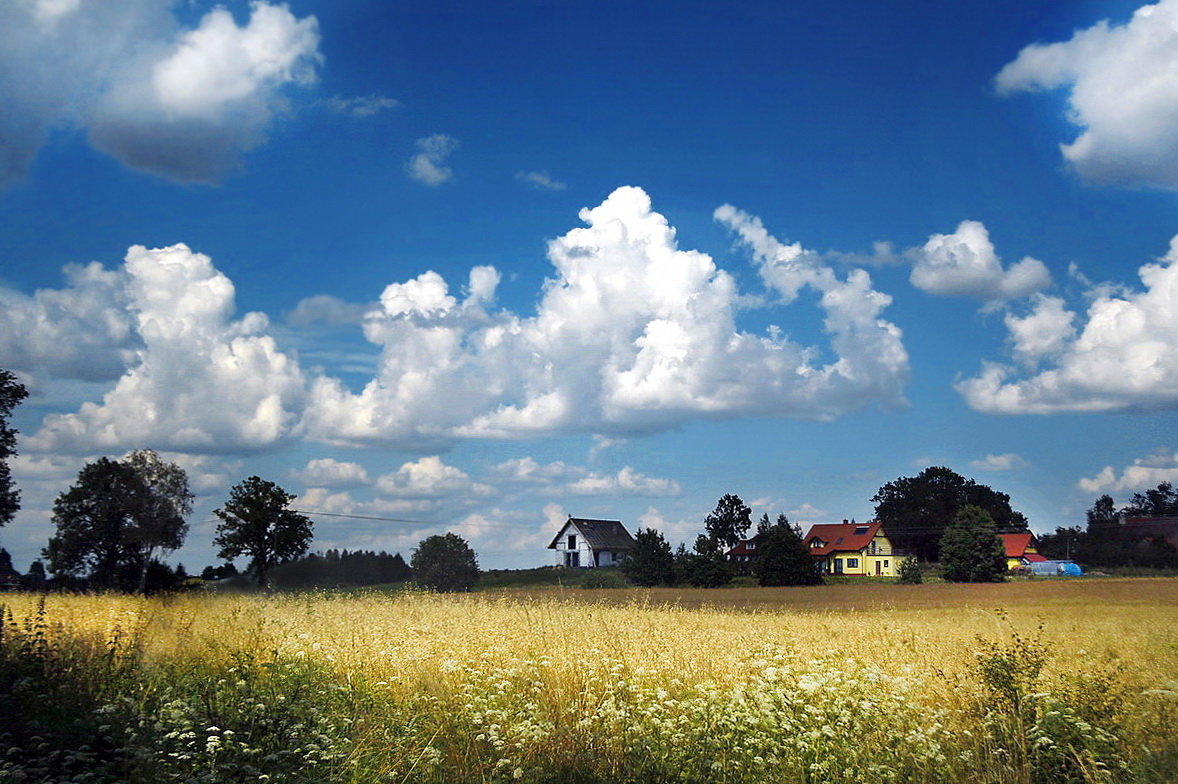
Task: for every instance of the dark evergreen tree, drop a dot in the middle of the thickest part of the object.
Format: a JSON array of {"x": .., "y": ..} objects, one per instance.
[
  {"x": 649, "y": 561},
  {"x": 916, "y": 510},
  {"x": 445, "y": 563},
  {"x": 782, "y": 558},
  {"x": 35, "y": 580},
  {"x": 729, "y": 521},
  {"x": 98, "y": 526},
  {"x": 12, "y": 392},
  {"x": 257, "y": 522},
  {"x": 971, "y": 550}
]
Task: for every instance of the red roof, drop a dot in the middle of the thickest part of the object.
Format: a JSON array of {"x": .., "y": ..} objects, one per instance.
[
  {"x": 1017, "y": 544},
  {"x": 840, "y": 537},
  {"x": 1035, "y": 558},
  {"x": 742, "y": 547}
]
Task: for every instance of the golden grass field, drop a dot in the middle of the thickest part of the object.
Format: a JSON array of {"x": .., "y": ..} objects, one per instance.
[{"x": 743, "y": 684}]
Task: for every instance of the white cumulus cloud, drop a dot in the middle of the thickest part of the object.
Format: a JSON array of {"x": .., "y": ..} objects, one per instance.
[
  {"x": 429, "y": 477},
  {"x": 964, "y": 263},
  {"x": 328, "y": 472},
  {"x": 1122, "y": 95},
  {"x": 1145, "y": 472},
  {"x": 626, "y": 482},
  {"x": 202, "y": 381},
  {"x": 631, "y": 335},
  {"x": 180, "y": 103},
  {"x": 1123, "y": 358}
]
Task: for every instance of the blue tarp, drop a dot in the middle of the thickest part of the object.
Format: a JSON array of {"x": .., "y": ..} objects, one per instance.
[{"x": 1057, "y": 568}]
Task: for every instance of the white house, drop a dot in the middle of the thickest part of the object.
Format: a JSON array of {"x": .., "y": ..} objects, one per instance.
[{"x": 589, "y": 543}]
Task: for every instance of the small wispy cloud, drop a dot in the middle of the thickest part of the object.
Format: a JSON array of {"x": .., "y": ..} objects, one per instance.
[
  {"x": 361, "y": 106},
  {"x": 540, "y": 180},
  {"x": 1005, "y": 462},
  {"x": 428, "y": 166}
]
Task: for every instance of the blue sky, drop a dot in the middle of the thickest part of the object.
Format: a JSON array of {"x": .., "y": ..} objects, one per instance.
[{"x": 480, "y": 267}]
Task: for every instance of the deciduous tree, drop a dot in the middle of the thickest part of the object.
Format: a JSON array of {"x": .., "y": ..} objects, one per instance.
[
  {"x": 97, "y": 523},
  {"x": 915, "y": 510},
  {"x": 12, "y": 392},
  {"x": 708, "y": 566},
  {"x": 729, "y": 521},
  {"x": 971, "y": 550},
  {"x": 257, "y": 522},
  {"x": 445, "y": 563},
  {"x": 162, "y": 527}
]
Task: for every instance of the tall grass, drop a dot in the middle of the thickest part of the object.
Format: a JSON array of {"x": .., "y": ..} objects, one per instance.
[{"x": 559, "y": 688}]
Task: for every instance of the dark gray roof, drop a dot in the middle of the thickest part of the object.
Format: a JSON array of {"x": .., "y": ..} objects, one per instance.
[{"x": 600, "y": 534}]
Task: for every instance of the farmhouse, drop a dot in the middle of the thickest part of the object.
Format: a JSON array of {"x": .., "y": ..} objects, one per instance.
[
  {"x": 852, "y": 548},
  {"x": 588, "y": 543},
  {"x": 1020, "y": 550}
]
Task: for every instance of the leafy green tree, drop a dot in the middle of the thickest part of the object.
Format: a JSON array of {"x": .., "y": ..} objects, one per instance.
[
  {"x": 915, "y": 510},
  {"x": 782, "y": 557},
  {"x": 708, "y": 566},
  {"x": 162, "y": 527},
  {"x": 257, "y": 522},
  {"x": 97, "y": 524},
  {"x": 12, "y": 392},
  {"x": 971, "y": 550},
  {"x": 8, "y": 574},
  {"x": 649, "y": 561},
  {"x": 729, "y": 521},
  {"x": 1157, "y": 502},
  {"x": 445, "y": 563},
  {"x": 908, "y": 572},
  {"x": 1103, "y": 513}
]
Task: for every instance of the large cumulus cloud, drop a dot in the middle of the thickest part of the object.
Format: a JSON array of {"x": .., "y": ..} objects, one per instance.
[
  {"x": 180, "y": 103},
  {"x": 1122, "y": 94},
  {"x": 631, "y": 335},
  {"x": 1123, "y": 358},
  {"x": 201, "y": 381}
]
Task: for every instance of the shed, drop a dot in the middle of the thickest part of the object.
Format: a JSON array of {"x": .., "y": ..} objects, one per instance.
[{"x": 587, "y": 543}]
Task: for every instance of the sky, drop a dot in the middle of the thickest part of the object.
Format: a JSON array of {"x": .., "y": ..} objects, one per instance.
[{"x": 477, "y": 267}]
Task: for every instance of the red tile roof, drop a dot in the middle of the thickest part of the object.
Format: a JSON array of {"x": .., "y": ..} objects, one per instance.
[
  {"x": 742, "y": 547},
  {"x": 840, "y": 537},
  {"x": 1035, "y": 558},
  {"x": 1017, "y": 544}
]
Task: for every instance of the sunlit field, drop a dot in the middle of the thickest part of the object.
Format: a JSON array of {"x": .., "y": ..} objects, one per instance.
[{"x": 1025, "y": 682}]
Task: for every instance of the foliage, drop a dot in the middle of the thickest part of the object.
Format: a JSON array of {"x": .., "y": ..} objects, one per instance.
[
  {"x": 916, "y": 510},
  {"x": 336, "y": 568},
  {"x": 971, "y": 551},
  {"x": 1156, "y": 502},
  {"x": 97, "y": 524},
  {"x": 161, "y": 526},
  {"x": 35, "y": 580},
  {"x": 12, "y": 392},
  {"x": 729, "y": 521},
  {"x": 599, "y": 578},
  {"x": 782, "y": 558},
  {"x": 445, "y": 563},
  {"x": 707, "y": 566},
  {"x": 908, "y": 572},
  {"x": 257, "y": 522},
  {"x": 649, "y": 561}
]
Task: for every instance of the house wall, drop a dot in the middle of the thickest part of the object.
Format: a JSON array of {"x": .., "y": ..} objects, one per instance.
[
  {"x": 866, "y": 560},
  {"x": 582, "y": 549}
]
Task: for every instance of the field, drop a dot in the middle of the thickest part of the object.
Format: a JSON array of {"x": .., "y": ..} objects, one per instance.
[{"x": 1043, "y": 681}]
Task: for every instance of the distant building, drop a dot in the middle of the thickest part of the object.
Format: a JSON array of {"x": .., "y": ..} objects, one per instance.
[
  {"x": 1141, "y": 529},
  {"x": 1020, "y": 550},
  {"x": 585, "y": 543},
  {"x": 853, "y": 548}
]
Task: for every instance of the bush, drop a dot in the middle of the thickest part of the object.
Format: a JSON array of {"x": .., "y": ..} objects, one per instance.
[
  {"x": 909, "y": 572},
  {"x": 445, "y": 563},
  {"x": 604, "y": 578}
]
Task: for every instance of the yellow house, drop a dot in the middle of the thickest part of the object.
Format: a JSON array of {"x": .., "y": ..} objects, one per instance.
[{"x": 853, "y": 548}]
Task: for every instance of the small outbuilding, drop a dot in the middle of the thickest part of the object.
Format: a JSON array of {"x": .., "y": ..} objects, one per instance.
[
  {"x": 1020, "y": 550},
  {"x": 1056, "y": 568},
  {"x": 585, "y": 543}
]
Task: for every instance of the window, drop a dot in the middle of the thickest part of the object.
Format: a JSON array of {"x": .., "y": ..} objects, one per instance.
[
  {"x": 838, "y": 565},
  {"x": 871, "y": 548},
  {"x": 572, "y": 542},
  {"x": 885, "y": 564},
  {"x": 852, "y": 563},
  {"x": 861, "y": 530}
]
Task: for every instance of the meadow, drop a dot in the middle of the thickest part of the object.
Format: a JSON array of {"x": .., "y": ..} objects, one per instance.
[{"x": 1043, "y": 681}]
